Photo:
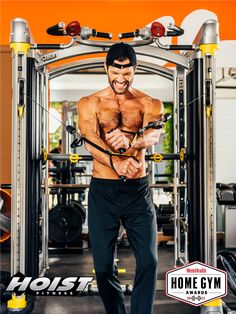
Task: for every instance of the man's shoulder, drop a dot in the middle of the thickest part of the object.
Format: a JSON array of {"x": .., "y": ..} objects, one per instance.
[
  {"x": 148, "y": 100},
  {"x": 93, "y": 98},
  {"x": 89, "y": 102},
  {"x": 90, "y": 99},
  {"x": 144, "y": 98},
  {"x": 150, "y": 104}
]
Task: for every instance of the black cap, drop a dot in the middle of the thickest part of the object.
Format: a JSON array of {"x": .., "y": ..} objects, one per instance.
[{"x": 121, "y": 50}]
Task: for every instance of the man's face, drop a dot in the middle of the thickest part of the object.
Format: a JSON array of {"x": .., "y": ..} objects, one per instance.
[{"x": 120, "y": 79}]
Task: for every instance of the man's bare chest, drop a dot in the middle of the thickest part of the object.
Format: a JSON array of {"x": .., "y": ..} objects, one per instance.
[{"x": 112, "y": 115}]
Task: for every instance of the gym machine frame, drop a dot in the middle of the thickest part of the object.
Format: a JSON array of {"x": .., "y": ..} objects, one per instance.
[{"x": 30, "y": 189}]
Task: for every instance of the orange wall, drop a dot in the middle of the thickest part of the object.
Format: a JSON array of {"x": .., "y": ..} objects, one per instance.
[{"x": 113, "y": 16}]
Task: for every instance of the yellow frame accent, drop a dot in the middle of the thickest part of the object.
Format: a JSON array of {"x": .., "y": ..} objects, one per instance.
[
  {"x": 20, "y": 47},
  {"x": 17, "y": 302},
  {"x": 157, "y": 157},
  {"x": 182, "y": 154},
  {"x": 208, "y": 49},
  {"x": 74, "y": 158},
  {"x": 217, "y": 302}
]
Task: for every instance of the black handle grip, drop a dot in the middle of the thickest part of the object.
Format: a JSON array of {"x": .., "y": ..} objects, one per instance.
[
  {"x": 101, "y": 34},
  {"x": 181, "y": 47},
  {"x": 175, "y": 33},
  {"x": 127, "y": 35},
  {"x": 70, "y": 129},
  {"x": 55, "y": 30},
  {"x": 48, "y": 46},
  {"x": 76, "y": 143}
]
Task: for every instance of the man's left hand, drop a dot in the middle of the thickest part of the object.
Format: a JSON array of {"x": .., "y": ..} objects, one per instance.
[{"x": 117, "y": 140}]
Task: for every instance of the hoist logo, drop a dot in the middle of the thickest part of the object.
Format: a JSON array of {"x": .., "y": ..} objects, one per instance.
[
  {"x": 49, "y": 57},
  {"x": 57, "y": 286},
  {"x": 196, "y": 283}
]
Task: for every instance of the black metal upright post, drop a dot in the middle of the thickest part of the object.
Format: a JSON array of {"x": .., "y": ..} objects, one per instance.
[
  {"x": 181, "y": 165},
  {"x": 195, "y": 164},
  {"x": 33, "y": 173}
]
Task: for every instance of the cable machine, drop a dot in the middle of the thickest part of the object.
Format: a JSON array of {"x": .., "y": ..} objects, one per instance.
[{"x": 194, "y": 84}]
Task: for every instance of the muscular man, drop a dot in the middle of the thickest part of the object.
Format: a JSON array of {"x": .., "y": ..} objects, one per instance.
[{"x": 103, "y": 118}]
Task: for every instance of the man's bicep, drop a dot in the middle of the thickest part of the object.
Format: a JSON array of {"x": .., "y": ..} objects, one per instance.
[
  {"x": 87, "y": 119},
  {"x": 88, "y": 124}
]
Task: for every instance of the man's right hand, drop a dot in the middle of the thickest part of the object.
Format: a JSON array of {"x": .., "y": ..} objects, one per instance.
[{"x": 127, "y": 167}]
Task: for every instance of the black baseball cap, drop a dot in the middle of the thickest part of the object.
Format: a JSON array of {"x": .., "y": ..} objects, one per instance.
[{"x": 121, "y": 50}]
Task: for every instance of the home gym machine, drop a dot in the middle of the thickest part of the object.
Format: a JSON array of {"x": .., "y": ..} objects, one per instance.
[{"x": 193, "y": 76}]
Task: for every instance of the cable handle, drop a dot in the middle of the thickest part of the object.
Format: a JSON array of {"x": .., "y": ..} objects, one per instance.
[
  {"x": 174, "y": 30},
  {"x": 74, "y": 29},
  {"x": 57, "y": 29},
  {"x": 87, "y": 32},
  {"x": 101, "y": 34},
  {"x": 156, "y": 30},
  {"x": 157, "y": 124},
  {"x": 129, "y": 34}
]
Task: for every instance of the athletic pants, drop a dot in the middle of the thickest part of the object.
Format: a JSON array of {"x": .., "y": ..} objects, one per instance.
[{"x": 111, "y": 202}]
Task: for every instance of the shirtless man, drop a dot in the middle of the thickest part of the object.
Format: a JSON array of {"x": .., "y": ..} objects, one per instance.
[{"x": 103, "y": 118}]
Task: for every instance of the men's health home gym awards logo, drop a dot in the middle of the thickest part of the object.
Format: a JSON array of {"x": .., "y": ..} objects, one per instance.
[
  {"x": 196, "y": 283},
  {"x": 44, "y": 286}
]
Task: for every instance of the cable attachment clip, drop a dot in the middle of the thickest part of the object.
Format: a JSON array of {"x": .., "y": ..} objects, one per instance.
[
  {"x": 78, "y": 139},
  {"x": 158, "y": 124}
]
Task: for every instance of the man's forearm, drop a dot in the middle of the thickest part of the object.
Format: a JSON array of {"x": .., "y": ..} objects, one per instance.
[
  {"x": 147, "y": 139},
  {"x": 100, "y": 156}
]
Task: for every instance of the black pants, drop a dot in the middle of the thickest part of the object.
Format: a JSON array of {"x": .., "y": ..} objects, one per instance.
[{"x": 112, "y": 201}]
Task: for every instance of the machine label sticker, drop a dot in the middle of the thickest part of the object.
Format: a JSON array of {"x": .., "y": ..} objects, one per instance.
[
  {"x": 49, "y": 57},
  {"x": 43, "y": 286},
  {"x": 196, "y": 283}
]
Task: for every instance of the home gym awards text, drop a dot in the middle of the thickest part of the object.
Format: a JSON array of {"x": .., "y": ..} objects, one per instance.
[
  {"x": 44, "y": 286},
  {"x": 196, "y": 283}
]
